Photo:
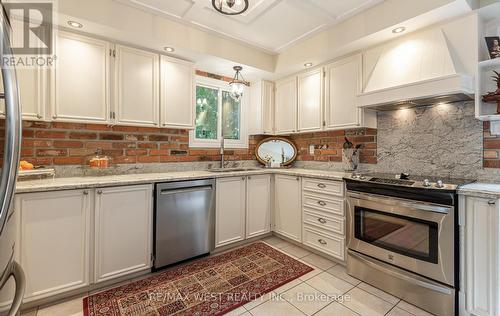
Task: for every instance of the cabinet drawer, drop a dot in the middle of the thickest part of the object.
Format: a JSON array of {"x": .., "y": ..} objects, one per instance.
[
  {"x": 327, "y": 243},
  {"x": 334, "y": 224},
  {"x": 324, "y": 186},
  {"x": 324, "y": 203}
]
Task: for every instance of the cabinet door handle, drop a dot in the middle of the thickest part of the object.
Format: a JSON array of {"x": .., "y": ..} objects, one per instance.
[
  {"x": 321, "y": 241},
  {"x": 322, "y": 220},
  {"x": 322, "y": 203},
  {"x": 297, "y": 179},
  {"x": 492, "y": 202},
  {"x": 85, "y": 192},
  {"x": 321, "y": 185},
  {"x": 99, "y": 192}
]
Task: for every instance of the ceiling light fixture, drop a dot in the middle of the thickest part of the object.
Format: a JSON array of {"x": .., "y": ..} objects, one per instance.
[
  {"x": 307, "y": 65},
  {"x": 238, "y": 84},
  {"x": 169, "y": 49},
  {"x": 230, "y": 7},
  {"x": 75, "y": 24},
  {"x": 400, "y": 29}
]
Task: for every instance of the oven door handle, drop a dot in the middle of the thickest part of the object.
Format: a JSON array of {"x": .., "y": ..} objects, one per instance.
[
  {"x": 423, "y": 206},
  {"x": 400, "y": 274}
]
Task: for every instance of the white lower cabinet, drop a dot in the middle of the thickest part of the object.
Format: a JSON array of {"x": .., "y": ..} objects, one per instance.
[
  {"x": 258, "y": 211},
  {"x": 324, "y": 216},
  {"x": 287, "y": 208},
  {"x": 56, "y": 230},
  {"x": 54, "y": 241},
  {"x": 123, "y": 231},
  {"x": 480, "y": 256},
  {"x": 230, "y": 210},
  {"x": 243, "y": 208}
]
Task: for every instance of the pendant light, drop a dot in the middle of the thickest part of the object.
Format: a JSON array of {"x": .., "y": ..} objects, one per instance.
[
  {"x": 238, "y": 84},
  {"x": 230, "y": 7}
]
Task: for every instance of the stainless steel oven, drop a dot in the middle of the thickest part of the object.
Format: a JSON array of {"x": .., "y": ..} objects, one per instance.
[
  {"x": 402, "y": 238},
  {"x": 413, "y": 235}
]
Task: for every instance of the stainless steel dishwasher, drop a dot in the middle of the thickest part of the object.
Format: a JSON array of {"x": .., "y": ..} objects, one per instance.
[{"x": 184, "y": 221}]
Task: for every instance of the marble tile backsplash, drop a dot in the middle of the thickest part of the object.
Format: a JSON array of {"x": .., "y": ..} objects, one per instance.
[{"x": 444, "y": 140}]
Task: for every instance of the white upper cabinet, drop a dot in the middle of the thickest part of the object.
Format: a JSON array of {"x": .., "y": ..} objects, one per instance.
[
  {"x": 123, "y": 231},
  {"x": 33, "y": 85},
  {"x": 177, "y": 93},
  {"x": 32, "y": 92},
  {"x": 310, "y": 101},
  {"x": 137, "y": 75},
  {"x": 286, "y": 106},
  {"x": 262, "y": 108},
  {"x": 343, "y": 84},
  {"x": 80, "y": 85}
]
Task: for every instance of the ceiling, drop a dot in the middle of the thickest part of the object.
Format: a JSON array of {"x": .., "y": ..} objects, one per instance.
[{"x": 272, "y": 25}]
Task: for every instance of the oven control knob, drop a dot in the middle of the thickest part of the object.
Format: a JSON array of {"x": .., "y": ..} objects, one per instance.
[
  {"x": 439, "y": 184},
  {"x": 355, "y": 176},
  {"x": 362, "y": 178},
  {"x": 427, "y": 183}
]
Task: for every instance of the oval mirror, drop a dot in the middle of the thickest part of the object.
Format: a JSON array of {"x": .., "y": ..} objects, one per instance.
[{"x": 275, "y": 152}]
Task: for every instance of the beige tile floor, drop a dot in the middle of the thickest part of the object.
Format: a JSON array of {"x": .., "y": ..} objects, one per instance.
[{"x": 326, "y": 291}]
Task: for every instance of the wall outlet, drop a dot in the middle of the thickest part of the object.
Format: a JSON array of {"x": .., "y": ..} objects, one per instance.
[{"x": 311, "y": 150}]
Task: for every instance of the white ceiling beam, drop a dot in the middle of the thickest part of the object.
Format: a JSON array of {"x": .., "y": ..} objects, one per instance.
[{"x": 194, "y": 10}]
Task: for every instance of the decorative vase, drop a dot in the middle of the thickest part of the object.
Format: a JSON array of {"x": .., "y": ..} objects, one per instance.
[{"x": 350, "y": 159}]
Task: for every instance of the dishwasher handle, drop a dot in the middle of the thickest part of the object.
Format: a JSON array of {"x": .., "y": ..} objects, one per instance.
[{"x": 185, "y": 190}]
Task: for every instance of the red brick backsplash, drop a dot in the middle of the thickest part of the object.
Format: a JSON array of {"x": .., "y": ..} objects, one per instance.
[
  {"x": 491, "y": 145},
  {"x": 55, "y": 143},
  {"x": 328, "y": 145},
  {"x": 213, "y": 76}
]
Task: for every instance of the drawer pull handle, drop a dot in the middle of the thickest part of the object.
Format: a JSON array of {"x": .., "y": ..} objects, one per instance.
[
  {"x": 99, "y": 192},
  {"x": 85, "y": 192},
  {"x": 321, "y": 185},
  {"x": 322, "y": 203},
  {"x": 321, "y": 241},
  {"x": 492, "y": 202},
  {"x": 322, "y": 220}
]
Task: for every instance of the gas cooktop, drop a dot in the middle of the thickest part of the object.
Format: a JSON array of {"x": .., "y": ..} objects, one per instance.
[{"x": 406, "y": 180}]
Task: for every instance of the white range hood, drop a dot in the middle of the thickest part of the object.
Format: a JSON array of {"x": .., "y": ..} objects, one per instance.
[{"x": 417, "y": 70}]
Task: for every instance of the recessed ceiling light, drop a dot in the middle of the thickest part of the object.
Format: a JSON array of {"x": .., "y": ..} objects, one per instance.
[
  {"x": 307, "y": 65},
  {"x": 400, "y": 29},
  {"x": 75, "y": 24},
  {"x": 169, "y": 49}
]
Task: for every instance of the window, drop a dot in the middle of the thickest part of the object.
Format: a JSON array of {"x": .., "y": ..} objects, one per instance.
[
  {"x": 217, "y": 115},
  {"x": 207, "y": 100}
]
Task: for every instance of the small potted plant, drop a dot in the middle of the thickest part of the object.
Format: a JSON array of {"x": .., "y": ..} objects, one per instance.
[{"x": 494, "y": 97}]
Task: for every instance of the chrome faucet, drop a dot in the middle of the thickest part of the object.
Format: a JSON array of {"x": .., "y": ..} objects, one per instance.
[{"x": 222, "y": 153}]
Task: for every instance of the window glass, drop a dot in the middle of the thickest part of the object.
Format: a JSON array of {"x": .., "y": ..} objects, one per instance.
[
  {"x": 206, "y": 112},
  {"x": 231, "y": 118}
]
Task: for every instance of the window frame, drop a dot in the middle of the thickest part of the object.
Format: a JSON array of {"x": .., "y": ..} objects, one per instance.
[{"x": 216, "y": 143}]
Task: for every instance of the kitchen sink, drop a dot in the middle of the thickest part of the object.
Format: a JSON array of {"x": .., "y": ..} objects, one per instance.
[{"x": 233, "y": 169}]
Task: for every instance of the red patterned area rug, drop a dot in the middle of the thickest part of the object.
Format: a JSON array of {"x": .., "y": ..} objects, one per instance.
[{"x": 208, "y": 286}]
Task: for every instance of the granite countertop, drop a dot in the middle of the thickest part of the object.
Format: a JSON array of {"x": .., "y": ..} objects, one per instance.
[
  {"x": 117, "y": 180},
  {"x": 486, "y": 190}
]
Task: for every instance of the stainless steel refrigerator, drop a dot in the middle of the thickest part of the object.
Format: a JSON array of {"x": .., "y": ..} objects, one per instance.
[{"x": 8, "y": 175}]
